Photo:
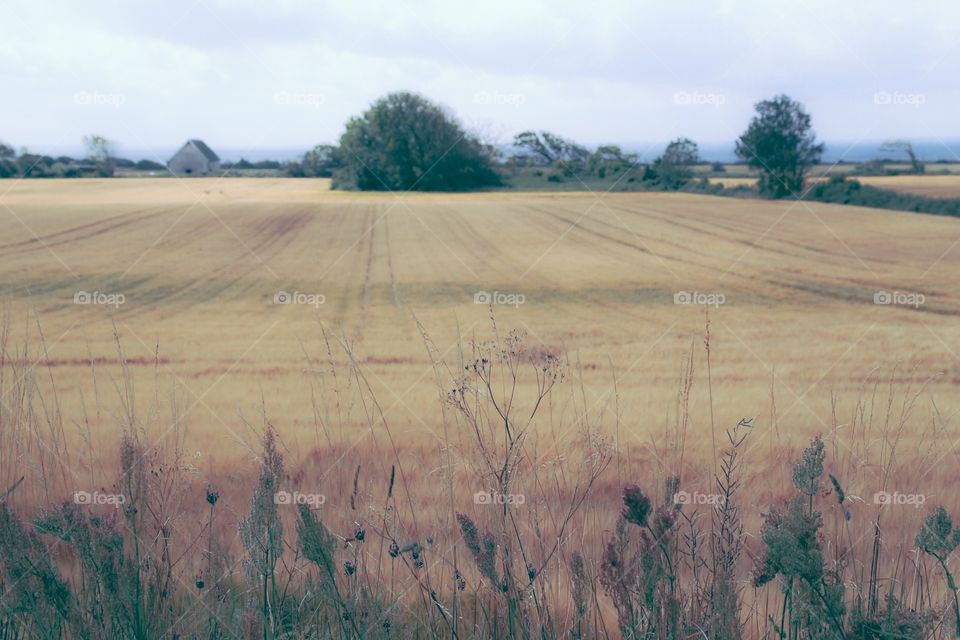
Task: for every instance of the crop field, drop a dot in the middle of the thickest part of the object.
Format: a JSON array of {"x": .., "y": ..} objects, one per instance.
[
  {"x": 197, "y": 311},
  {"x": 930, "y": 186}
]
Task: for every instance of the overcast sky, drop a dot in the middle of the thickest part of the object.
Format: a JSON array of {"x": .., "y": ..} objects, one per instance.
[{"x": 283, "y": 74}]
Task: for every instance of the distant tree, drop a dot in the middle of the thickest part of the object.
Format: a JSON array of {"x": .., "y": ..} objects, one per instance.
[
  {"x": 781, "y": 145},
  {"x": 610, "y": 159},
  {"x": 405, "y": 142},
  {"x": 266, "y": 164},
  {"x": 321, "y": 161},
  {"x": 545, "y": 148},
  {"x": 674, "y": 168},
  {"x": 903, "y": 145},
  {"x": 150, "y": 165},
  {"x": 8, "y": 165},
  {"x": 100, "y": 151}
]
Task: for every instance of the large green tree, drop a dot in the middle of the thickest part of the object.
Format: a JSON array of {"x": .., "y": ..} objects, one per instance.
[
  {"x": 405, "y": 142},
  {"x": 781, "y": 145}
]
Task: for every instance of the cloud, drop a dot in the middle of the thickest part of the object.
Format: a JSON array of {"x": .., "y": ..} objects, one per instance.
[{"x": 607, "y": 71}]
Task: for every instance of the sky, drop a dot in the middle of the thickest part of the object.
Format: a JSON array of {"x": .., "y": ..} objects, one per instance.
[{"x": 280, "y": 74}]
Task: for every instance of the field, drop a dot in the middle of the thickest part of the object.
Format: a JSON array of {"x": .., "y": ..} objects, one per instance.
[
  {"x": 929, "y": 186},
  {"x": 184, "y": 278}
]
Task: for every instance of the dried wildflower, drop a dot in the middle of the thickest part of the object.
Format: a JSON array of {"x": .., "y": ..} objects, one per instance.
[
  {"x": 418, "y": 563},
  {"x": 484, "y": 552},
  {"x": 394, "y": 550},
  {"x": 636, "y": 505},
  {"x": 663, "y": 520},
  {"x": 841, "y": 496},
  {"x": 791, "y": 545},
  {"x": 458, "y": 579},
  {"x": 212, "y": 496},
  {"x": 261, "y": 532},
  {"x": 349, "y": 568},
  {"x": 200, "y": 583},
  {"x": 672, "y": 486},
  {"x": 531, "y": 572},
  {"x": 316, "y": 541},
  {"x": 359, "y": 534},
  {"x": 580, "y": 584},
  {"x": 807, "y": 472},
  {"x": 414, "y": 549},
  {"x": 937, "y": 535}
]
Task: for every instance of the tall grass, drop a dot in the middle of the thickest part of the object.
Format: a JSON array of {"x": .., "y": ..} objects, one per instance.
[{"x": 516, "y": 514}]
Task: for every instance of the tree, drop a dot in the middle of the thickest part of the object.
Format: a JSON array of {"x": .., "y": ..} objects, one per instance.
[
  {"x": 320, "y": 161},
  {"x": 100, "y": 151},
  {"x": 545, "y": 148},
  {"x": 405, "y": 142},
  {"x": 8, "y": 165},
  {"x": 610, "y": 159},
  {"x": 903, "y": 145},
  {"x": 674, "y": 167},
  {"x": 781, "y": 145}
]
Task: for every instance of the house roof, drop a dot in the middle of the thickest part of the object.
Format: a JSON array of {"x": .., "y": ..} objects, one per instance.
[{"x": 205, "y": 150}]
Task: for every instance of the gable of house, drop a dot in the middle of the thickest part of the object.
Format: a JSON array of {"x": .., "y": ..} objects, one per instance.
[{"x": 194, "y": 157}]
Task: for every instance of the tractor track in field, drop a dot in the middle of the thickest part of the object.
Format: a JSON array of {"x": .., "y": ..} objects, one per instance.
[
  {"x": 738, "y": 233},
  {"x": 78, "y": 233},
  {"x": 371, "y": 224},
  {"x": 390, "y": 269},
  {"x": 275, "y": 233},
  {"x": 482, "y": 246}
]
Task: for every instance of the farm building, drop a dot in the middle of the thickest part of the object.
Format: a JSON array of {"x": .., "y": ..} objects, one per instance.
[{"x": 194, "y": 157}]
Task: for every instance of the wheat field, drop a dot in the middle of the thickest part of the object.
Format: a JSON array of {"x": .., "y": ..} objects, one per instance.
[{"x": 197, "y": 311}]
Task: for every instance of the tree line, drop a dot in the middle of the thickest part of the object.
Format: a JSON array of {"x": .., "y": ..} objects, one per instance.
[{"x": 405, "y": 142}]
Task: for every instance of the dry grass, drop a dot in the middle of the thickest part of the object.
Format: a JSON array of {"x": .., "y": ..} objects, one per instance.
[{"x": 197, "y": 361}]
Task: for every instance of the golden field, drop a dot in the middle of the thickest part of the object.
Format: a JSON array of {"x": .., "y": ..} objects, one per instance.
[
  {"x": 796, "y": 339},
  {"x": 931, "y": 185}
]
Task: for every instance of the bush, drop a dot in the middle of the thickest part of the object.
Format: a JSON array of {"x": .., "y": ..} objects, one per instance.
[
  {"x": 406, "y": 143},
  {"x": 840, "y": 190},
  {"x": 150, "y": 165}
]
